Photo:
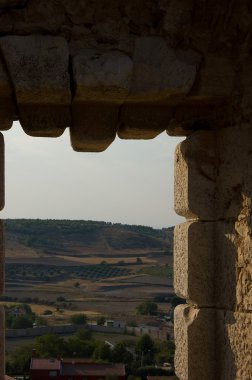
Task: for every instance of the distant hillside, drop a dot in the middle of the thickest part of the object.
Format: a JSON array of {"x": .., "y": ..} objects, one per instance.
[{"x": 77, "y": 237}]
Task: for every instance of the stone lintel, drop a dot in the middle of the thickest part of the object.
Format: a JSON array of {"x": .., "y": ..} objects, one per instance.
[
  {"x": 94, "y": 126},
  {"x": 38, "y": 68},
  {"x": 196, "y": 113},
  {"x": 7, "y": 104},
  {"x": 143, "y": 120}
]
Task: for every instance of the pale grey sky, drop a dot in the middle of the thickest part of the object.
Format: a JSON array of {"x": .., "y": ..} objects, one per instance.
[{"x": 131, "y": 182}]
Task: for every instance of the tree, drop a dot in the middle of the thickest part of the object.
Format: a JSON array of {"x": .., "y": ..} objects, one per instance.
[
  {"x": 147, "y": 308},
  {"x": 83, "y": 334},
  {"x": 50, "y": 345},
  {"x": 145, "y": 349},
  {"x": 102, "y": 352},
  {"x": 120, "y": 354},
  {"x": 22, "y": 322},
  {"x": 78, "y": 319},
  {"x": 19, "y": 360},
  {"x": 76, "y": 347}
]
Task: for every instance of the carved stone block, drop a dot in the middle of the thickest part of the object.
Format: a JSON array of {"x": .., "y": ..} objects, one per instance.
[
  {"x": 38, "y": 67},
  {"x": 195, "y": 343}
]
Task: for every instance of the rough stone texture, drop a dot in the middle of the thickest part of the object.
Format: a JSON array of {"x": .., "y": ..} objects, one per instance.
[
  {"x": 194, "y": 266},
  {"x": 199, "y": 113},
  {"x": 161, "y": 73},
  {"x": 2, "y": 258},
  {"x": 195, "y": 343},
  {"x": 38, "y": 67},
  {"x": 213, "y": 176},
  {"x": 12, "y": 3},
  {"x": 234, "y": 176},
  {"x": 233, "y": 345},
  {"x": 141, "y": 121},
  {"x": 93, "y": 126},
  {"x": 102, "y": 81},
  {"x": 194, "y": 48},
  {"x": 101, "y": 76},
  {"x": 1, "y": 171},
  {"x": 195, "y": 175},
  {"x": 2, "y": 345},
  {"x": 7, "y": 105},
  {"x": 207, "y": 269}
]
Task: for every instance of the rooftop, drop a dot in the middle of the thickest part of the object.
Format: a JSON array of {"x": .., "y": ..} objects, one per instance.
[{"x": 45, "y": 364}]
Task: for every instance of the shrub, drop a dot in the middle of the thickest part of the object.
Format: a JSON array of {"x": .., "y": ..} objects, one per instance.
[{"x": 78, "y": 319}]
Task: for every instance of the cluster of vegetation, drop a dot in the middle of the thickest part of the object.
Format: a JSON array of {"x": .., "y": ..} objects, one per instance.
[
  {"x": 20, "y": 316},
  {"x": 60, "y": 301},
  {"x": 147, "y": 308},
  {"x": 46, "y": 273},
  {"x": 51, "y": 235},
  {"x": 82, "y": 345}
]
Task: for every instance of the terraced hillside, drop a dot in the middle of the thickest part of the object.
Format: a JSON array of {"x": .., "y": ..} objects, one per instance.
[{"x": 81, "y": 238}]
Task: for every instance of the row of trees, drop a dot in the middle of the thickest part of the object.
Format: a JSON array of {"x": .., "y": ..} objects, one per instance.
[
  {"x": 83, "y": 345},
  {"x": 21, "y": 316}
]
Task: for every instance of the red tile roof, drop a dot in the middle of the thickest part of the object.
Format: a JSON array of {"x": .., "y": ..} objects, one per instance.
[{"x": 45, "y": 364}]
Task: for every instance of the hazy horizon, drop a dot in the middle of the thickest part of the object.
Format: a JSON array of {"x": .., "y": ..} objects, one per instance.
[{"x": 130, "y": 183}]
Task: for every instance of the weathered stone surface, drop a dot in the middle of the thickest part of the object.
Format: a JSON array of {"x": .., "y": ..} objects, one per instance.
[
  {"x": 195, "y": 343},
  {"x": 212, "y": 265},
  {"x": 194, "y": 263},
  {"x": 12, "y": 3},
  {"x": 213, "y": 176},
  {"x": 216, "y": 77},
  {"x": 38, "y": 67},
  {"x": 1, "y": 171},
  {"x": 197, "y": 113},
  {"x": 141, "y": 121},
  {"x": 2, "y": 345},
  {"x": 7, "y": 106},
  {"x": 2, "y": 258},
  {"x": 161, "y": 73},
  {"x": 102, "y": 82},
  {"x": 234, "y": 176},
  {"x": 94, "y": 126},
  {"x": 233, "y": 268},
  {"x": 233, "y": 345},
  {"x": 101, "y": 77},
  {"x": 195, "y": 177}
]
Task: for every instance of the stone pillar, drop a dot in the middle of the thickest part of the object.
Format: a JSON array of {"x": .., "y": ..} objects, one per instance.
[
  {"x": 2, "y": 331},
  {"x": 213, "y": 255}
]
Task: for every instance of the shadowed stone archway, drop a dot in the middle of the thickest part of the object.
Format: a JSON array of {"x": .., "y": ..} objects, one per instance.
[{"x": 102, "y": 68}]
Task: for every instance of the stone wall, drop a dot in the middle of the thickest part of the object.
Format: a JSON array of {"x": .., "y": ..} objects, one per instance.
[
  {"x": 135, "y": 69},
  {"x": 2, "y": 346},
  {"x": 213, "y": 257}
]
